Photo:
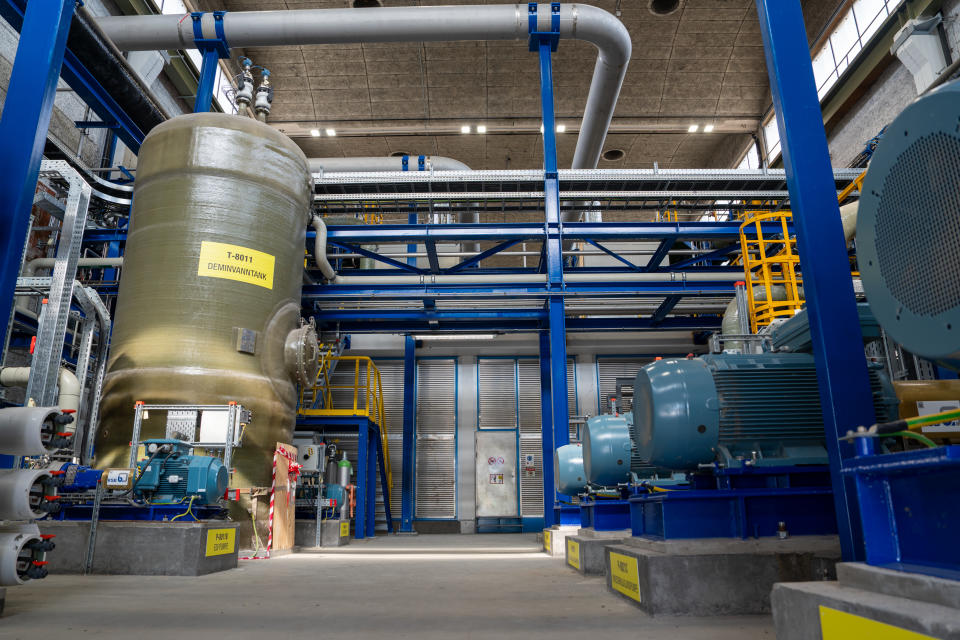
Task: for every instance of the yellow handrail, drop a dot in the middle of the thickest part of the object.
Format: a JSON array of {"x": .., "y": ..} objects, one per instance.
[{"x": 369, "y": 403}]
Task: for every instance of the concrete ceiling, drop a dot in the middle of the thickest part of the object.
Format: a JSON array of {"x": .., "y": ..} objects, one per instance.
[{"x": 703, "y": 64}]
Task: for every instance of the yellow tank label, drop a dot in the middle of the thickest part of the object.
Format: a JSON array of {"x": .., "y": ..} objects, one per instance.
[
  {"x": 625, "y": 575},
  {"x": 345, "y": 529},
  {"x": 839, "y": 625},
  {"x": 546, "y": 541},
  {"x": 232, "y": 262},
  {"x": 221, "y": 541},
  {"x": 573, "y": 553}
]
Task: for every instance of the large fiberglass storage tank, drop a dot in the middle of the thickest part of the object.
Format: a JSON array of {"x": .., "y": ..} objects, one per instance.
[{"x": 208, "y": 310}]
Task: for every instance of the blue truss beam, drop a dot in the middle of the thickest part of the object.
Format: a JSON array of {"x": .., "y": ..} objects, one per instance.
[
  {"x": 612, "y": 254},
  {"x": 654, "y": 263},
  {"x": 665, "y": 307},
  {"x": 503, "y": 246},
  {"x": 441, "y": 233}
]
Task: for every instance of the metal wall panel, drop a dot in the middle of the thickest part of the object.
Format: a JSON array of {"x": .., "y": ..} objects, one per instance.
[
  {"x": 497, "y": 393},
  {"x": 496, "y": 473},
  {"x": 436, "y": 487},
  {"x": 608, "y": 370},
  {"x": 528, "y": 379}
]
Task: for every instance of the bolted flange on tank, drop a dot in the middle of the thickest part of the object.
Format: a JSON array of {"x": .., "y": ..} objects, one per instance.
[{"x": 208, "y": 310}]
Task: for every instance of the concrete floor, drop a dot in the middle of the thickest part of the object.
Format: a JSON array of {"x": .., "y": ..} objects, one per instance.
[{"x": 428, "y": 586}]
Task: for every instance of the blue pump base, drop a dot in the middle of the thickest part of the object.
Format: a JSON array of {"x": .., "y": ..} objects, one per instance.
[
  {"x": 909, "y": 515},
  {"x": 128, "y": 512},
  {"x": 739, "y": 503},
  {"x": 604, "y": 514},
  {"x": 566, "y": 514}
]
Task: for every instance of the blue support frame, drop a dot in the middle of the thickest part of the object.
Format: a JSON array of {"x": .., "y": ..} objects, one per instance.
[
  {"x": 545, "y": 42},
  {"x": 409, "y": 435},
  {"x": 213, "y": 49},
  {"x": 546, "y": 433},
  {"x": 23, "y": 128},
  {"x": 370, "y": 462},
  {"x": 834, "y": 325}
]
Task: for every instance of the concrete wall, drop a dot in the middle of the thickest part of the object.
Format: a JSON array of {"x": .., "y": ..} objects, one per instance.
[{"x": 886, "y": 98}]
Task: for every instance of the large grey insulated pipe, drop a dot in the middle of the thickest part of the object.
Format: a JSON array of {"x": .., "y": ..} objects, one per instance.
[
  {"x": 377, "y": 164},
  {"x": 395, "y": 163},
  {"x": 407, "y": 24}
]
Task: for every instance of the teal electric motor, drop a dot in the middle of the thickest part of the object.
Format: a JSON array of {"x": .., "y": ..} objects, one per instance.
[
  {"x": 762, "y": 410},
  {"x": 568, "y": 465}
]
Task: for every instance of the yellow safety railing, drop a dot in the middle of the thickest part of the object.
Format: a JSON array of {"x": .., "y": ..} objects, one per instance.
[
  {"x": 367, "y": 392},
  {"x": 771, "y": 266}
]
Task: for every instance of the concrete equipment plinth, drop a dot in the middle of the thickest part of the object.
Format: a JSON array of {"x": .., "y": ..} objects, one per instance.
[
  {"x": 585, "y": 551},
  {"x": 144, "y": 548},
  {"x": 714, "y": 576},
  {"x": 555, "y": 539},
  {"x": 865, "y": 602},
  {"x": 333, "y": 533}
]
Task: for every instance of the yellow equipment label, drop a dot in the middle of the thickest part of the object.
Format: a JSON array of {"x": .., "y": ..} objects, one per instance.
[
  {"x": 345, "y": 529},
  {"x": 221, "y": 541},
  {"x": 625, "y": 575},
  {"x": 230, "y": 262},
  {"x": 573, "y": 553},
  {"x": 546, "y": 541},
  {"x": 840, "y": 625}
]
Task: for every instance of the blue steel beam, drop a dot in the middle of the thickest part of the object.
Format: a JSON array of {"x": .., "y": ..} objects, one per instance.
[
  {"x": 712, "y": 255},
  {"x": 81, "y": 81},
  {"x": 546, "y": 43},
  {"x": 612, "y": 254},
  {"x": 483, "y": 255},
  {"x": 573, "y": 324},
  {"x": 546, "y": 442},
  {"x": 665, "y": 307},
  {"x": 597, "y": 231},
  {"x": 376, "y": 256},
  {"x": 409, "y": 435},
  {"x": 654, "y": 263},
  {"x": 23, "y": 129},
  {"x": 431, "y": 247},
  {"x": 834, "y": 325}
]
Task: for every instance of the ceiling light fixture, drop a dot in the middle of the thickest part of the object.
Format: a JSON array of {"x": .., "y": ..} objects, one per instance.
[
  {"x": 481, "y": 128},
  {"x": 465, "y": 129},
  {"x": 315, "y": 133},
  {"x": 561, "y": 128},
  {"x": 692, "y": 128},
  {"x": 331, "y": 132},
  {"x": 708, "y": 128}
]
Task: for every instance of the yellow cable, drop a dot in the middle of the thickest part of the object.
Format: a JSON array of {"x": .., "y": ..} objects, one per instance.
[{"x": 189, "y": 509}]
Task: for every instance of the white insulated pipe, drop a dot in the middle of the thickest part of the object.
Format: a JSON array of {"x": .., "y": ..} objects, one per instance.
[
  {"x": 68, "y": 385},
  {"x": 31, "y": 267},
  {"x": 387, "y": 163},
  {"x": 428, "y": 279},
  {"x": 377, "y": 164},
  {"x": 320, "y": 249},
  {"x": 407, "y": 24}
]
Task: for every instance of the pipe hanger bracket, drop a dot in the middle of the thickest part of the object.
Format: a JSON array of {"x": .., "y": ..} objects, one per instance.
[
  {"x": 551, "y": 37},
  {"x": 218, "y": 44}
]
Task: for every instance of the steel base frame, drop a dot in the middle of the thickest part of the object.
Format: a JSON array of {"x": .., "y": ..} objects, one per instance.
[
  {"x": 739, "y": 503},
  {"x": 369, "y": 462},
  {"x": 127, "y": 512},
  {"x": 605, "y": 515},
  {"x": 908, "y": 510}
]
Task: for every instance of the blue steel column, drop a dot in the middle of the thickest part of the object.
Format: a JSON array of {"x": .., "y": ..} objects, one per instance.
[
  {"x": 546, "y": 433},
  {"x": 834, "y": 325},
  {"x": 409, "y": 434},
  {"x": 363, "y": 458},
  {"x": 23, "y": 129},
  {"x": 545, "y": 43},
  {"x": 408, "y": 463}
]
